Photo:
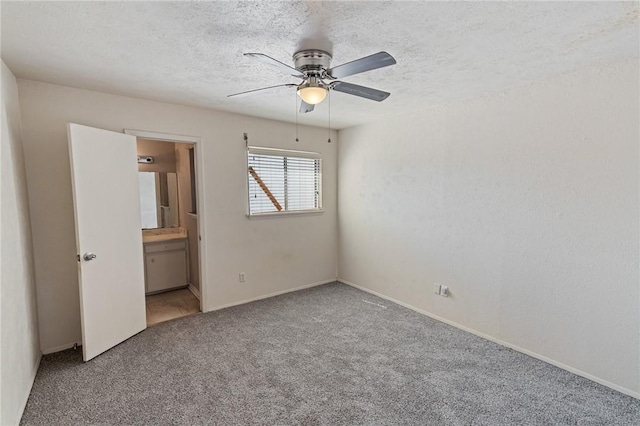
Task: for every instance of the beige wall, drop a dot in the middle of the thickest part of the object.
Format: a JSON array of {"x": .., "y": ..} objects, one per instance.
[
  {"x": 277, "y": 254},
  {"x": 524, "y": 203},
  {"x": 187, "y": 221},
  {"x": 20, "y": 353},
  {"x": 163, "y": 153},
  {"x": 184, "y": 181}
]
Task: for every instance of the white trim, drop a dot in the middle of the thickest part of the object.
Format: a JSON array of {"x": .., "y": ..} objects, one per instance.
[
  {"x": 277, "y": 152},
  {"x": 202, "y": 234},
  {"x": 25, "y": 399},
  {"x": 200, "y": 182},
  {"x": 60, "y": 348},
  {"x": 283, "y": 213},
  {"x": 277, "y": 293},
  {"x": 162, "y": 136},
  {"x": 570, "y": 369},
  {"x": 195, "y": 291}
]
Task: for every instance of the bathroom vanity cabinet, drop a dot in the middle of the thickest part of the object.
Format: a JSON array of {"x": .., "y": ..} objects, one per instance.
[{"x": 165, "y": 265}]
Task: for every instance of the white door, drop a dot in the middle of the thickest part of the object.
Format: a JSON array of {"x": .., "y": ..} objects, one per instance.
[{"x": 104, "y": 174}]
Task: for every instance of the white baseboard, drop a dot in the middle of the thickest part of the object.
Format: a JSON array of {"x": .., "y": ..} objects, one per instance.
[
  {"x": 34, "y": 372},
  {"x": 195, "y": 291},
  {"x": 277, "y": 293},
  {"x": 568, "y": 368},
  {"x": 60, "y": 348}
]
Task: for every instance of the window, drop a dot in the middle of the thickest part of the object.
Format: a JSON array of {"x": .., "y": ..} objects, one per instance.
[{"x": 283, "y": 181}]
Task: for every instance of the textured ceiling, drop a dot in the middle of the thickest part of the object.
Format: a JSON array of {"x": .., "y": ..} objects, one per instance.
[{"x": 191, "y": 53}]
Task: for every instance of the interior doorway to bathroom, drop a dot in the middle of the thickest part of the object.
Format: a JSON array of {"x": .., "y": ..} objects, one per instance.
[{"x": 168, "y": 183}]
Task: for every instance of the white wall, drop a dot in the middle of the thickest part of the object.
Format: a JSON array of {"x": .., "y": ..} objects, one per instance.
[
  {"x": 277, "y": 254},
  {"x": 524, "y": 203},
  {"x": 20, "y": 353}
]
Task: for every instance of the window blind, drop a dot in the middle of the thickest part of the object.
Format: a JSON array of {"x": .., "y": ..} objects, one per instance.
[{"x": 283, "y": 181}]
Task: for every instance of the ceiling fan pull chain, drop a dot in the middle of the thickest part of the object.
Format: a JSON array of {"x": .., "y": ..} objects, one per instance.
[
  {"x": 329, "y": 104},
  {"x": 295, "y": 99}
]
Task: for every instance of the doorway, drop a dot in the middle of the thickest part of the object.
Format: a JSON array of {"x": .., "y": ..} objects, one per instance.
[{"x": 170, "y": 232}]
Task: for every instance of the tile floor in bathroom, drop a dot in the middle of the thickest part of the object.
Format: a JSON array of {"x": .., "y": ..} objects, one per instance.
[{"x": 171, "y": 305}]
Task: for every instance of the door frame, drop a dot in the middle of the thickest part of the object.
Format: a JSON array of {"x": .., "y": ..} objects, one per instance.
[{"x": 202, "y": 246}]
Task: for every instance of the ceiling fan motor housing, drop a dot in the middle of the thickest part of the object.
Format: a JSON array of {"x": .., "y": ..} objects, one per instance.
[{"x": 312, "y": 62}]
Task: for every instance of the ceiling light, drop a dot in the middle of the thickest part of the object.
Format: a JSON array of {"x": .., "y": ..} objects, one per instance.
[{"x": 312, "y": 95}]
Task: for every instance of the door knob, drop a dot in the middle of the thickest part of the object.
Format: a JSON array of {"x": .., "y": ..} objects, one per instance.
[{"x": 89, "y": 256}]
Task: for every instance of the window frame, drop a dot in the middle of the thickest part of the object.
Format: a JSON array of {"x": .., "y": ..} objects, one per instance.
[{"x": 277, "y": 152}]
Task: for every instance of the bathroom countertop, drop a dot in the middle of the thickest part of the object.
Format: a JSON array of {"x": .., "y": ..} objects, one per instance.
[{"x": 167, "y": 234}]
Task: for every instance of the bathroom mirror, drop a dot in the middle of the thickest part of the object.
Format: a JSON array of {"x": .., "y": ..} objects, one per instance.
[{"x": 158, "y": 200}]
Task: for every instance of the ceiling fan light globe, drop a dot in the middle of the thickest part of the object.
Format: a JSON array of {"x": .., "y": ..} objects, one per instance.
[{"x": 312, "y": 95}]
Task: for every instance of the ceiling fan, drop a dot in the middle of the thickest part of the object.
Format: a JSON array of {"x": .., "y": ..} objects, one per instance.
[{"x": 312, "y": 66}]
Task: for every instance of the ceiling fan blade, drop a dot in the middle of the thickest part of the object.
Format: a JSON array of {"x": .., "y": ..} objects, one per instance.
[
  {"x": 368, "y": 63},
  {"x": 260, "y": 57},
  {"x": 248, "y": 92},
  {"x": 362, "y": 91},
  {"x": 305, "y": 107}
]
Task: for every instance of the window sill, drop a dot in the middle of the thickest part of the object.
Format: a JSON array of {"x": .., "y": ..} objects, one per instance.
[{"x": 282, "y": 214}]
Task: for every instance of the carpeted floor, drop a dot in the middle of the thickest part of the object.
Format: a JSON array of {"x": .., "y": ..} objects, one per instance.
[{"x": 329, "y": 355}]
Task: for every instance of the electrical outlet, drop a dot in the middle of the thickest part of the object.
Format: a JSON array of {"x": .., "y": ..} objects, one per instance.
[
  {"x": 436, "y": 288},
  {"x": 444, "y": 291},
  {"x": 241, "y": 277}
]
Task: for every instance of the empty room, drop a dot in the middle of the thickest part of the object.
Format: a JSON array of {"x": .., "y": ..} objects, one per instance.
[{"x": 320, "y": 213}]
